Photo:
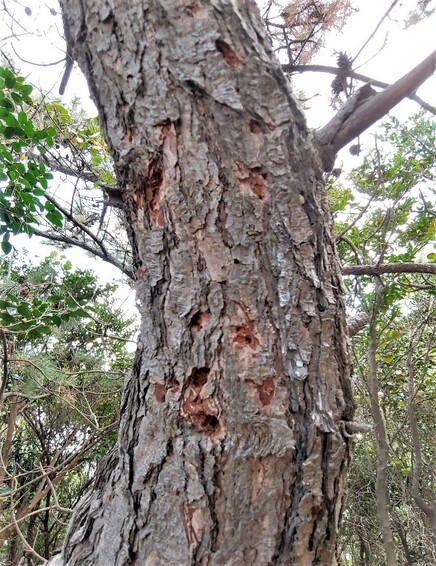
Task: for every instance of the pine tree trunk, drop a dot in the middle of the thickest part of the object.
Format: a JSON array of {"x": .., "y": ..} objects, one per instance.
[{"x": 232, "y": 449}]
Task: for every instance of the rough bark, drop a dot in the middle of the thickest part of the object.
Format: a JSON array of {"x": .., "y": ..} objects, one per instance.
[{"x": 232, "y": 445}]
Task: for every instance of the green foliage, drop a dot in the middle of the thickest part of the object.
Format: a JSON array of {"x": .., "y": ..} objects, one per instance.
[
  {"x": 22, "y": 181},
  {"x": 385, "y": 211},
  {"x": 385, "y": 214},
  {"x": 63, "y": 388},
  {"x": 30, "y": 313},
  {"x": 81, "y": 135},
  {"x": 361, "y": 530}
]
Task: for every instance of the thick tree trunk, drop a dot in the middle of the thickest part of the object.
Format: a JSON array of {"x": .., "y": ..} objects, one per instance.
[{"x": 232, "y": 446}]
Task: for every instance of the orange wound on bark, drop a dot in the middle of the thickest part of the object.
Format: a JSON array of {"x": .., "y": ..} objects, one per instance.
[
  {"x": 252, "y": 181},
  {"x": 245, "y": 337},
  {"x": 229, "y": 54},
  {"x": 153, "y": 188},
  {"x": 199, "y": 377},
  {"x": 265, "y": 390},
  {"x": 255, "y": 127},
  {"x": 192, "y": 10},
  {"x": 160, "y": 392},
  {"x": 198, "y": 320},
  {"x": 199, "y": 410}
]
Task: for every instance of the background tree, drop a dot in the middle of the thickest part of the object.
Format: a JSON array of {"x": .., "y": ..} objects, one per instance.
[
  {"x": 392, "y": 221},
  {"x": 64, "y": 362}
]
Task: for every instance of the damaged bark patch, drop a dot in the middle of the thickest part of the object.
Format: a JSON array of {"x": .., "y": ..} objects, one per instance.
[
  {"x": 160, "y": 392},
  {"x": 245, "y": 337},
  {"x": 252, "y": 181},
  {"x": 193, "y": 10},
  {"x": 199, "y": 377},
  {"x": 229, "y": 54},
  {"x": 160, "y": 171},
  {"x": 153, "y": 189},
  {"x": 169, "y": 146},
  {"x": 265, "y": 390},
  {"x": 193, "y": 522},
  {"x": 199, "y": 320},
  {"x": 255, "y": 127},
  {"x": 196, "y": 406}
]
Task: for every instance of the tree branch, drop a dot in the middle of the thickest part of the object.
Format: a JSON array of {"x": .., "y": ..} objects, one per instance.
[
  {"x": 365, "y": 107},
  {"x": 427, "y": 507},
  {"x": 357, "y": 323},
  {"x": 353, "y": 75},
  {"x": 5, "y": 372},
  {"x": 389, "y": 268},
  {"x": 113, "y": 195},
  {"x": 73, "y": 242}
]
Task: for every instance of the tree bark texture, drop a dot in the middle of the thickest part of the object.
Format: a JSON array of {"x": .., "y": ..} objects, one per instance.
[{"x": 232, "y": 448}]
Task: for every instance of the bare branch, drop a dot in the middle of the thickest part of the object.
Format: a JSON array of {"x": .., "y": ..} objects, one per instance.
[
  {"x": 389, "y": 268},
  {"x": 427, "y": 507},
  {"x": 353, "y": 75},
  {"x": 385, "y": 15},
  {"x": 5, "y": 366},
  {"x": 87, "y": 247}
]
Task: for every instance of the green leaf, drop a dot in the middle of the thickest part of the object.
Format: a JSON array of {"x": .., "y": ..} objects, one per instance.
[
  {"x": 16, "y": 97},
  {"x": 24, "y": 310},
  {"x": 23, "y": 326},
  {"x": 57, "y": 320},
  {"x": 6, "y": 247},
  {"x": 54, "y": 299},
  {"x": 55, "y": 217},
  {"x": 26, "y": 90},
  {"x": 6, "y": 103},
  {"x": 79, "y": 313},
  {"x": 14, "y": 132},
  {"x": 7, "y": 318},
  {"x": 10, "y": 81},
  {"x": 7, "y": 155},
  {"x": 22, "y": 118}
]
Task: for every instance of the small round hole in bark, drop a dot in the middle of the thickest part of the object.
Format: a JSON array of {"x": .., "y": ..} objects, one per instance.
[
  {"x": 211, "y": 422},
  {"x": 198, "y": 320},
  {"x": 255, "y": 127},
  {"x": 199, "y": 376}
]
